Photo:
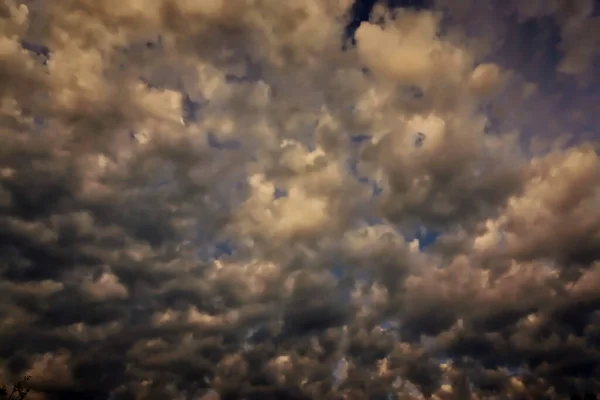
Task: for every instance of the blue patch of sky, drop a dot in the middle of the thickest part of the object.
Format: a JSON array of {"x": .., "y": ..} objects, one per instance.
[
  {"x": 227, "y": 144},
  {"x": 353, "y": 167},
  {"x": 309, "y": 142},
  {"x": 358, "y": 140},
  {"x": 279, "y": 193},
  {"x": 38, "y": 122},
  {"x": 412, "y": 4},
  {"x": 596, "y": 11},
  {"x": 419, "y": 139},
  {"x": 43, "y": 52},
  {"x": 190, "y": 108},
  {"x": 377, "y": 189},
  {"x": 338, "y": 270},
  {"x": 532, "y": 47},
  {"x": 132, "y": 136},
  {"x": 223, "y": 248},
  {"x": 426, "y": 237},
  {"x": 523, "y": 45},
  {"x": 372, "y": 220},
  {"x": 493, "y": 122},
  {"x": 213, "y": 250},
  {"x": 413, "y": 92},
  {"x": 542, "y": 34},
  {"x": 361, "y": 11}
]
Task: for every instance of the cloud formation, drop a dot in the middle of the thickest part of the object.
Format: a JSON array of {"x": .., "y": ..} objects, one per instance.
[{"x": 231, "y": 200}]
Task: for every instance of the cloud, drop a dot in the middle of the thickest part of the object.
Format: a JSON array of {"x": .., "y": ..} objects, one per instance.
[{"x": 219, "y": 200}]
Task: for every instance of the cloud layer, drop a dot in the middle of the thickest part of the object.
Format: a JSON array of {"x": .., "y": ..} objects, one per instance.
[{"x": 235, "y": 200}]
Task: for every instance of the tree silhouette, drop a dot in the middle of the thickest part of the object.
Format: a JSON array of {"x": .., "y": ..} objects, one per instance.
[{"x": 18, "y": 392}]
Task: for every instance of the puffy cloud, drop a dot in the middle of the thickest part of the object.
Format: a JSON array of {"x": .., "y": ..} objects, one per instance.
[
  {"x": 219, "y": 200},
  {"x": 485, "y": 79},
  {"x": 107, "y": 286}
]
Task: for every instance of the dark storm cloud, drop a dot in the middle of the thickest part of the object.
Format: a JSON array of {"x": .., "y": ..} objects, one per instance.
[{"x": 112, "y": 193}]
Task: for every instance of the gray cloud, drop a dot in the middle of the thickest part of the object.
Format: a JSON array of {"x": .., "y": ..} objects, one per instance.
[{"x": 216, "y": 200}]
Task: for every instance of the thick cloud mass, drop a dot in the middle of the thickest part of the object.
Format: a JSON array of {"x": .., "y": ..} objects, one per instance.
[{"x": 269, "y": 199}]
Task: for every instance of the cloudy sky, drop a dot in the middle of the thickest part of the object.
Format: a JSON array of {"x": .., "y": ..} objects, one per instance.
[{"x": 308, "y": 199}]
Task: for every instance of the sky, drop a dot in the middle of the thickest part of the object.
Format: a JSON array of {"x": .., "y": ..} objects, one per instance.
[{"x": 315, "y": 199}]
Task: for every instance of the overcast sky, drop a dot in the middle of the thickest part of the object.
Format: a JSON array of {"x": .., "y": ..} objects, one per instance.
[{"x": 300, "y": 199}]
